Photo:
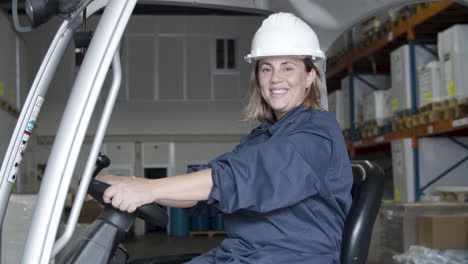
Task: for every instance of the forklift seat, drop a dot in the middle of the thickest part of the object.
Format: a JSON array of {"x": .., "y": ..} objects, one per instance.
[{"x": 367, "y": 194}]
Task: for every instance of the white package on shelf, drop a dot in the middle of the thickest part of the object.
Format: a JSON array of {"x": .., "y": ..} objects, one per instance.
[
  {"x": 403, "y": 170},
  {"x": 335, "y": 106},
  {"x": 401, "y": 97},
  {"x": 453, "y": 56},
  {"x": 361, "y": 89},
  {"x": 376, "y": 106},
  {"x": 429, "y": 84}
]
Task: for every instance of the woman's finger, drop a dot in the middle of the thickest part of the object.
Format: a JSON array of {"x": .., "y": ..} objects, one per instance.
[
  {"x": 116, "y": 200},
  {"x": 132, "y": 208},
  {"x": 124, "y": 205},
  {"x": 108, "y": 194}
]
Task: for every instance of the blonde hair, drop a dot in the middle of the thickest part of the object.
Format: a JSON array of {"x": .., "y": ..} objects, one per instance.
[{"x": 257, "y": 109}]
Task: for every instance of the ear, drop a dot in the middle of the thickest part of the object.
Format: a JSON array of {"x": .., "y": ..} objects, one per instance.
[{"x": 310, "y": 77}]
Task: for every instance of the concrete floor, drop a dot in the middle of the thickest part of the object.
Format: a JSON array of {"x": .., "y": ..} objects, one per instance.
[{"x": 160, "y": 244}]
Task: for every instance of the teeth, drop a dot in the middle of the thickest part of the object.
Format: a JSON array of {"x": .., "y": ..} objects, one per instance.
[{"x": 278, "y": 91}]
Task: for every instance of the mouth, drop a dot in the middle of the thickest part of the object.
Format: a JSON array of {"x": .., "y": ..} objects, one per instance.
[{"x": 278, "y": 92}]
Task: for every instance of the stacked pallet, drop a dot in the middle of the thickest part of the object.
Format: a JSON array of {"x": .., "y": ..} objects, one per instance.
[
  {"x": 369, "y": 129},
  {"x": 445, "y": 110},
  {"x": 402, "y": 120},
  {"x": 431, "y": 113},
  {"x": 453, "y": 194}
]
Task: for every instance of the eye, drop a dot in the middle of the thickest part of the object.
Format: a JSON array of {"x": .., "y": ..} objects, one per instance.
[
  {"x": 265, "y": 69},
  {"x": 289, "y": 68}
]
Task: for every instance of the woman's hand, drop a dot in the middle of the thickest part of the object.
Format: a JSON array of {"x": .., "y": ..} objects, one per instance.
[{"x": 128, "y": 193}]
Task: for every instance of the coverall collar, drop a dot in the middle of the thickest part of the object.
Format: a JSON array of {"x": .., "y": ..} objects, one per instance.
[{"x": 287, "y": 118}]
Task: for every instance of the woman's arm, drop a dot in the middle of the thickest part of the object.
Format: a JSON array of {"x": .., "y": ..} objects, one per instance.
[
  {"x": 178, "y": 191},
  {"x": 177, "y": 204},
  {"x": 195, "y": 186}
]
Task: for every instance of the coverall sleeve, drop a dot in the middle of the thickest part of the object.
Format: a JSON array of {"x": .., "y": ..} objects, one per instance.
[
  {"x": 276, "y": 174},
  {"x": 202, "y": 208}
]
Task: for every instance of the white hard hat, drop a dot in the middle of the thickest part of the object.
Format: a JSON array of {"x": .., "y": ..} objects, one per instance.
[{"x": 284, "y": 34}]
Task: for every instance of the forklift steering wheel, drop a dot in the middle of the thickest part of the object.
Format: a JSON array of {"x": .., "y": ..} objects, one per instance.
[{"x": 151, "y": 213}]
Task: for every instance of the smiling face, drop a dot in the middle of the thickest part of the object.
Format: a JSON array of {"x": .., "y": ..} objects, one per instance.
[{"x": 283, "y": 82}]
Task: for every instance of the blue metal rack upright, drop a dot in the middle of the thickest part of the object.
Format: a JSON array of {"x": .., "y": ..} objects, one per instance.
[
  {"x": 412, "y": 42},
  {"x": 414, "y": 109}
]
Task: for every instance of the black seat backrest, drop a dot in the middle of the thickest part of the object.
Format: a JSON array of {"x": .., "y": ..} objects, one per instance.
[{"x": 367, "y": 194}]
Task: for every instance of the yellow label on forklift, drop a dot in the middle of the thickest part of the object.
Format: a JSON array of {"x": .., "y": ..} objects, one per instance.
[
  {"x": 451, "y": 88},
  {"x": 397, "y": 195},
  {"x": 395, "y": 104},
  {"x": 427, "y": 96},
  {"x": 2, "y": 89}
]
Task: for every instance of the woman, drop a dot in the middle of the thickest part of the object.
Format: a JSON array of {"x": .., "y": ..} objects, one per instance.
[{"x": 285, "y": 189}]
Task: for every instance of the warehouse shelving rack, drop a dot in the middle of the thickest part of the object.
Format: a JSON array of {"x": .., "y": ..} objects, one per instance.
[
  {"x": 405, "y": 28},
  {"x": 380, "y": 46}
]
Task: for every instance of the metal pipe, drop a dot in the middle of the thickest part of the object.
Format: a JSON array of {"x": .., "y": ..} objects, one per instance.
[
  {"x": 86, "y": 178},
  {"x": 72, "y": 130}
]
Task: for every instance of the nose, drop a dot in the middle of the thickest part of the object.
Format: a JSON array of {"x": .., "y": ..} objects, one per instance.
[{"x": 276, "y": 76}]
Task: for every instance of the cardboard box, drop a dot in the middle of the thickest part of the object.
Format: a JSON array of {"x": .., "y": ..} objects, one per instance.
[
  {"x": 399, "y": 226},
  {"x": 90, "y": 211},
  {"x": 443, "y": 231}
]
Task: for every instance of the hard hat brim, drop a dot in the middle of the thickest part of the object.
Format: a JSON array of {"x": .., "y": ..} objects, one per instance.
[{"x": 252, "y": 58}]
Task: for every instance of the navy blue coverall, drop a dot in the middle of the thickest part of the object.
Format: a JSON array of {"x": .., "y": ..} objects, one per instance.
[{"x": 284, "y": 192}]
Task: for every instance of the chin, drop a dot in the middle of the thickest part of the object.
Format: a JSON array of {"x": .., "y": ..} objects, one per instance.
[
  {"x": 278, "y": 109},
  {"x": 281, "y": 110}
]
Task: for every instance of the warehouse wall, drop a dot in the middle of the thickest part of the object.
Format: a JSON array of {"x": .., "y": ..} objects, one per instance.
[
  {"x": 7, "y": 81},
  {"x": 171, "y": 84},
  {"x": 8, "y": 124},
  {"x": 198, "y": 153},
  {"x": 13, "y": 87},
  {"x": 171, "y": 88}
]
